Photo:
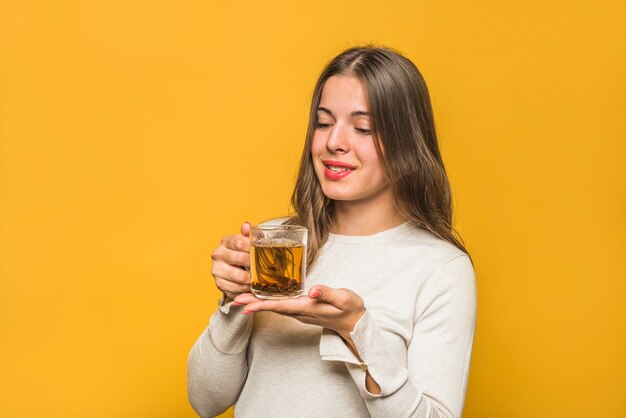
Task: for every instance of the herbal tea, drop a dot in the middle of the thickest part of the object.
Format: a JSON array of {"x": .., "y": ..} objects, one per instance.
[{"x": 277, "y": 268}]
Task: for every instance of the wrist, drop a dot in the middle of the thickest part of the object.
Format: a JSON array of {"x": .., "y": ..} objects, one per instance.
[
  {"x": 345, "y": 333},
  {"x": 225, "y": 299}
]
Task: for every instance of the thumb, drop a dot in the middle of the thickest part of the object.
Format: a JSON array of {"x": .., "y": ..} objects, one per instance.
[
  {"x": 245, "y": 229},
  {"x": 323, "y": 294}
]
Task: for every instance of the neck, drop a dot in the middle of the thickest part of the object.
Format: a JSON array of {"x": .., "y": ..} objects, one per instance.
[{"x": 364, "y": 218}]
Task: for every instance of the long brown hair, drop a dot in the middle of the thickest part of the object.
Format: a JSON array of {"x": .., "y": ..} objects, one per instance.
[{"x": 402, "y": 119}]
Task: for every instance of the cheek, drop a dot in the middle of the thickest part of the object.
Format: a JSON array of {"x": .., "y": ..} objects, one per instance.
[
  {"x": 317, "y": 149},
  {"x": 317, "y": 145},
  {"x": 368, "y": 156}
]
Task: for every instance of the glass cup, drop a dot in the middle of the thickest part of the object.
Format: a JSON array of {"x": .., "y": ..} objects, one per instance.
[{"x": 277, "y": 261}]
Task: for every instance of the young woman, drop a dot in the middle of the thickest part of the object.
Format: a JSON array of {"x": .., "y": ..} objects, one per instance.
[{"x": 387, "y": 324}]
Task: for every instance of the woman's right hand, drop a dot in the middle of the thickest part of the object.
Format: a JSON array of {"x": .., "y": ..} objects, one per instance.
[{"x": 231, "y": 262}]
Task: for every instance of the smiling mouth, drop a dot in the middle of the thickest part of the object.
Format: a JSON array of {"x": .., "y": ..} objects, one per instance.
[
  {"x": 337, "y": 166},
  {"x": 335, "y": 169}
]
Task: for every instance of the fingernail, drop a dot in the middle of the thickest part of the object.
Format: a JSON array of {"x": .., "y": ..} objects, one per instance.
[
  {"x": 237, "y": 304},
  {"x": 246, "y": 312},
  {"x": 315, "y": 293}
]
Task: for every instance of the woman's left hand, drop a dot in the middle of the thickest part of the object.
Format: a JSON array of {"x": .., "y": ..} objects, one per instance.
[{"x": 336, "y": 309}]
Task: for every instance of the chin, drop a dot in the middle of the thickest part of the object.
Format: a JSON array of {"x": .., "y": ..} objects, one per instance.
[{"x": 337, "y": 193}]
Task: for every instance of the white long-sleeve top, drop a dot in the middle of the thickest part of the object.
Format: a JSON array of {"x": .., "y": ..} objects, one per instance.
[{"x": 415, "y": 338}]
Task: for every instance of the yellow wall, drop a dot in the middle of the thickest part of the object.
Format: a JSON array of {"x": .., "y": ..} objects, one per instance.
[{"x": 134, "y": 134}]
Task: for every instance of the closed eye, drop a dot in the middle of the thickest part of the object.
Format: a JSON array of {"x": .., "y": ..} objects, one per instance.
[
  {"x": 322, "y": 125},
  {"x": 364, "y": 132}
]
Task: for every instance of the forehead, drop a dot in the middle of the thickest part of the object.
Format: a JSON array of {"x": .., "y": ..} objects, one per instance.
[{"x": 344, "y": 93}]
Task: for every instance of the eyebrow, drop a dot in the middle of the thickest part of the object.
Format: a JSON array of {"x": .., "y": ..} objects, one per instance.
[{"x": 353, "y": 114}]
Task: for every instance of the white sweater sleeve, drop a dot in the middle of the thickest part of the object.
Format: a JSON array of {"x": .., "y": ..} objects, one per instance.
[
  {"x": 432, "y": 379},
  {"x": 217, "y": 364}
]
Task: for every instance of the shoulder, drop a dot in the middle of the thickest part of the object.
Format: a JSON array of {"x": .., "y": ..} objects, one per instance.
[
  {"x": 427, "y": 246},
  {"x": 442, "y": 264}
]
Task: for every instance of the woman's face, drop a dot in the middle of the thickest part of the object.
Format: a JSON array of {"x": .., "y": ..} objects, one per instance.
[{"x": 344, "y": 155}]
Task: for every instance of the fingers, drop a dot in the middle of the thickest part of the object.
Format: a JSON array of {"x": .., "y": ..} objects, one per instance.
[
  {"x": 298, "y": 308},
  {"x": 234, "y": 258},
  {"x": 230, "y": 259},
  {"x": 245, "y": 229},
  {"x": 347, "y": 302},
  {"x": 246, "y": 298},
  {"x": 336, "y": 309},
  {"x": 336, "y": 297},
  {"x": 236, "y": 243},
  {"x": 229, "y": 288},
  {"x": 230, "y": 280},
  {"x": 285, "y": 306},
  {"x": 230, "y": 273}
]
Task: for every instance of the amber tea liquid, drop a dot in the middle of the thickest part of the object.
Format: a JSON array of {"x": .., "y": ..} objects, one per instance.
[{"x": 277, "y": 268}]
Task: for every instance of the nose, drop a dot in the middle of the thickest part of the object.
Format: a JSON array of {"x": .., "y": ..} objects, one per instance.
[{"x": 338, "y": 140}]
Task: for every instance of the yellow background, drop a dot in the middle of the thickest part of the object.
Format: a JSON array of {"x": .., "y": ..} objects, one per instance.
[{"x": 135, "y": 134}]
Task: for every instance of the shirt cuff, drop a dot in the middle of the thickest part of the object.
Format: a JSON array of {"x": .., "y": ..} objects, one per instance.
[
  {"x": 390, "y": 373},
  {"x": 229, "y": 329},
  {"x": 224, "y": 305}
]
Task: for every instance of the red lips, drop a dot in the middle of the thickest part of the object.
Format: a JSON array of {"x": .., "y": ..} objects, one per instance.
[
  {"x": 337, "y": 164},
  {"x": 346, "y": 169}
]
